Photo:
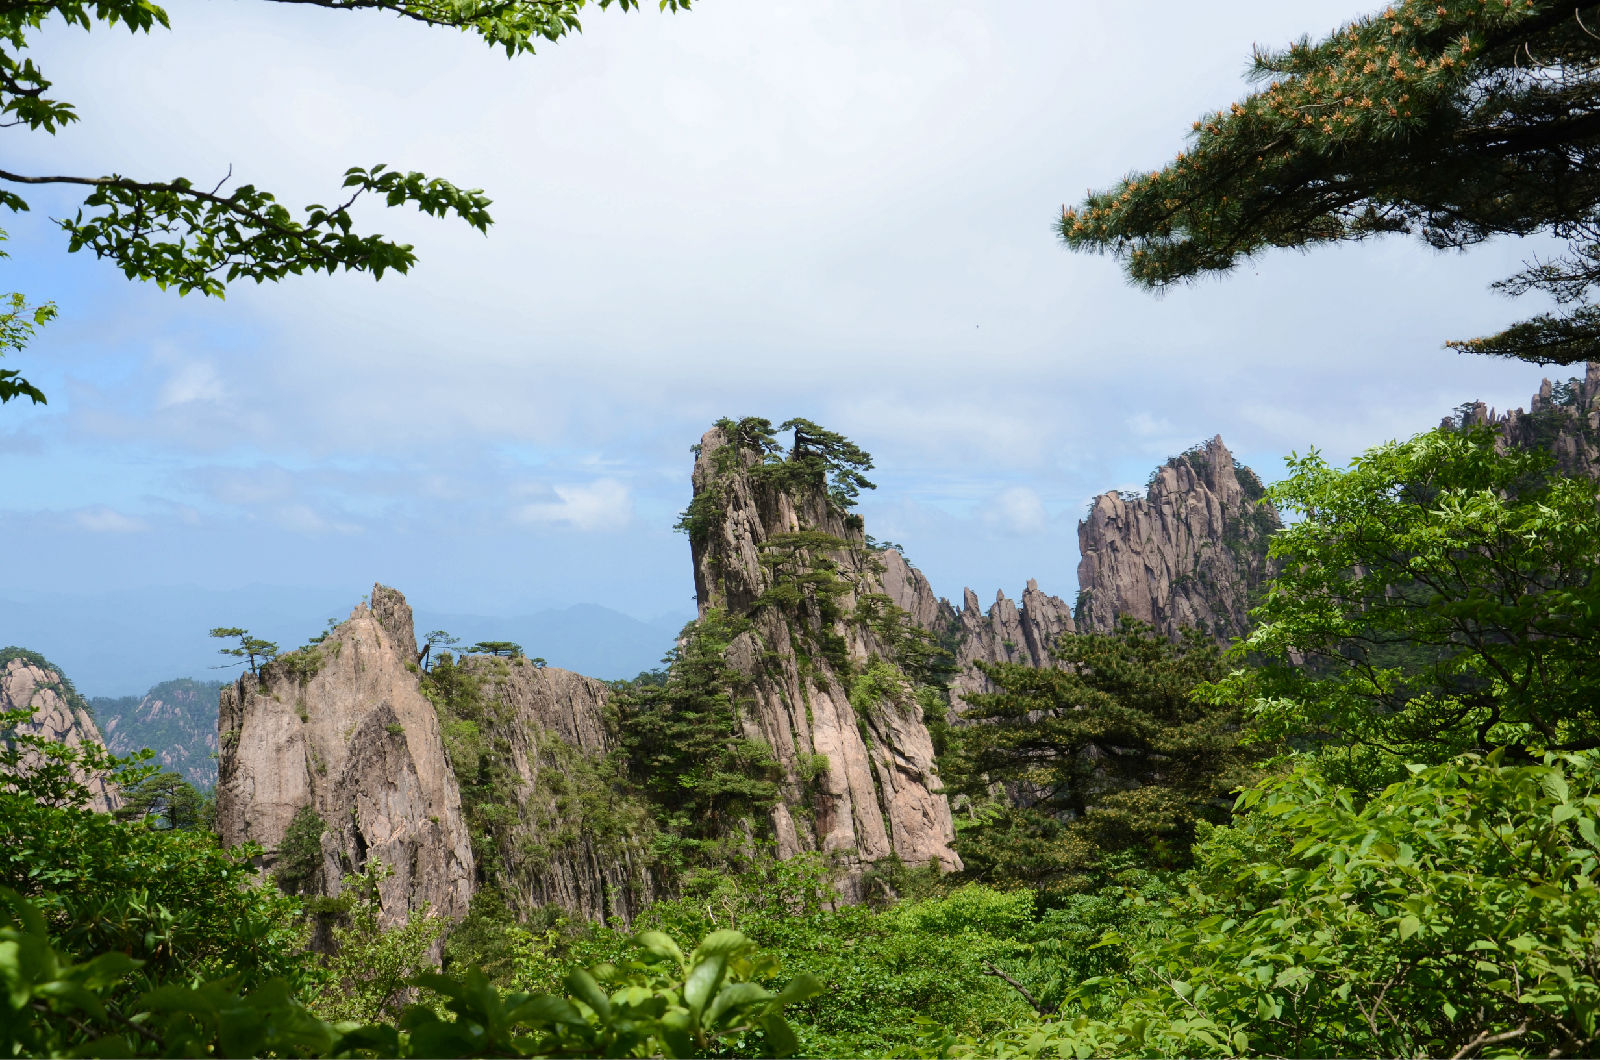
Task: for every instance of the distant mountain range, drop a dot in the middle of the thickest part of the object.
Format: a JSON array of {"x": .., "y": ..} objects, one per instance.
[{"x": 121, "y": 643}]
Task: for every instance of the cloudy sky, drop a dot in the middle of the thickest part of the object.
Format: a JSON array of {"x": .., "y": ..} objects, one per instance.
[{"x": 832, "y": 209}]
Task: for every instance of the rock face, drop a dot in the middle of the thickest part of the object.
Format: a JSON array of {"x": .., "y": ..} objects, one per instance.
[
  {"x": 859, "y": 777},
  {"x": 175, "y": 719},
  {"x": 1562, "y": 417},
  {"x": 28, "y": 681},
  {"x": 572, "y": 843},
  {"x": 1004, "y": 633},
  {"x": 342, "y": 727},
  {"x": 1191, "y": 552}
]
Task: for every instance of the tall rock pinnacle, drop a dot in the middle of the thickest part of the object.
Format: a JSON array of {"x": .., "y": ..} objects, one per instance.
[
  {"x": 859, "y": 777},
  {"x": 1191, "y": 552},
  {"x": 343, "y": 728}
]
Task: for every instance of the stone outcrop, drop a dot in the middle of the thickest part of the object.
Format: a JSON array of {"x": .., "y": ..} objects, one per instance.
[
  {"x": 175, "y": 719},
  {"x": 860, "y": 782},
  {"x": 60, "y": 715},
  {"x": 1190, "y": 553},
  {"x": 342, "y": 727},
  {"x": 1563, "y": 418},
  {"x": 573, "y": 843},
  {"x": 1005, "y": 633}
]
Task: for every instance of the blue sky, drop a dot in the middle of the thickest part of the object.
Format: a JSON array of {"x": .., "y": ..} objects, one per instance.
[{"x": 785, "y": 207}]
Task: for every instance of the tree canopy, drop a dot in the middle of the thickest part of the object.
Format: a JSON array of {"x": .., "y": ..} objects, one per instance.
[
  {"x": 200, "y": 235},
  {"x": 1437, "y": 597},
  {"x": 1109, "y": 752},
  {"x": 1453, "y": 120}
]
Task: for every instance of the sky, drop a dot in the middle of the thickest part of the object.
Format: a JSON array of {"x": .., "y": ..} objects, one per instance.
[{"x": 841, "y": 211}]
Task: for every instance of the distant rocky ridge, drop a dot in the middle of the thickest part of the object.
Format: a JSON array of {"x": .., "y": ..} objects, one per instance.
[
  {"x": 1563, "y": 418},
  {"x": 28, "y": 681},
  {"x": 1192, "y": 552},
  {"x": 1005, "y": 633},
  {"x": 176, "y": 719}
]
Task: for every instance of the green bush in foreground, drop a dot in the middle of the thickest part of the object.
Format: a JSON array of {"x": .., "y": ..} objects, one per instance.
[
  {"x": 663, "y": 1003},
  {"x": 1455, "y": 914}
]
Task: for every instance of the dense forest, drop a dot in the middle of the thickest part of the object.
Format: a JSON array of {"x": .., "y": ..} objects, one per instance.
[{"x": 1360, "y": 821}]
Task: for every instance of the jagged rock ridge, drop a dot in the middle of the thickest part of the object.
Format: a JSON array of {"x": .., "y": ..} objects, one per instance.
[
  {"x": 1006, "y": 633},
  {"x": 1190, "y": 553},
  {"x": 1563, "y": 418},
  {"x": 28, "y": 681},
  {"x": 343, "y": 727},
  {"x": 859, "y": 778}
]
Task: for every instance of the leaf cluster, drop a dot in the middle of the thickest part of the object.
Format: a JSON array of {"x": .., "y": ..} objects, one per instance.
[
  {"x": 1453, "y": 914},
  {"x": 1438, "y": 596}
]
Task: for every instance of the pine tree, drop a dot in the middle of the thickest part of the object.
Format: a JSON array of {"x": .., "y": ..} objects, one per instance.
[
  {"x": 1453, "y": 120},
  {"x": 1112, "y": 752}
]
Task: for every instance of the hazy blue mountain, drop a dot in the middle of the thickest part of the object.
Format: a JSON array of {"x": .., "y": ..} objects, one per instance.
[{"x": 587, "y": 638}]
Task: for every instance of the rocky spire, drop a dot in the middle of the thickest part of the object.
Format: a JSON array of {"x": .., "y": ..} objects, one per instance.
[
  {"x": 1191, "y": 552},
  {"x": 342, "y": 727},
  {"x": 859, "y": 777}
]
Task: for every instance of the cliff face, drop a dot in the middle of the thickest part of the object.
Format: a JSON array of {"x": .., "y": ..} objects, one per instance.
[
  {"x": 1191, "y": 552},
  {"x": 343, "y": 727},
  {"x": 176, "y": 719},
  {"x": 822, "y": 620},
  {"x": 574, "y": 839},
  {"x": 60, "y": 715},
  {"x": 1563, "y": 418}
]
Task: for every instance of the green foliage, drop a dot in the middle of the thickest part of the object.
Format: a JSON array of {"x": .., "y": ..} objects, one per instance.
[
  {"x": 660, "y": 1002},
  {"x": 1437, "y": 597},
  {"x": 502, "y": 648},
  {"x": 171, "y": 899},
  {"x": 1111, "y": 751},
  {"x": 177, "y": 232},
  {"x": 299, "y": 860},
  {"x": 166, "y": 801},
  {"x": 17, "y": 325},
  {"x": 251, "y": 649},
  {"x": 370, "y": 972},
  {"x": 1431, "y": 118},
  {"x": 686, "y": 748},
  {"x": 1455, "y": 912}
]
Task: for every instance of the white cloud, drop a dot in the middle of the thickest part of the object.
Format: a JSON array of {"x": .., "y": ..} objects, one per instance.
[
  {"x": 103, "y": 520},
  {"x": 604, "y": 504},
  {"x": 193, "y": 381},
  {"x": 1017, "y": 510}
]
